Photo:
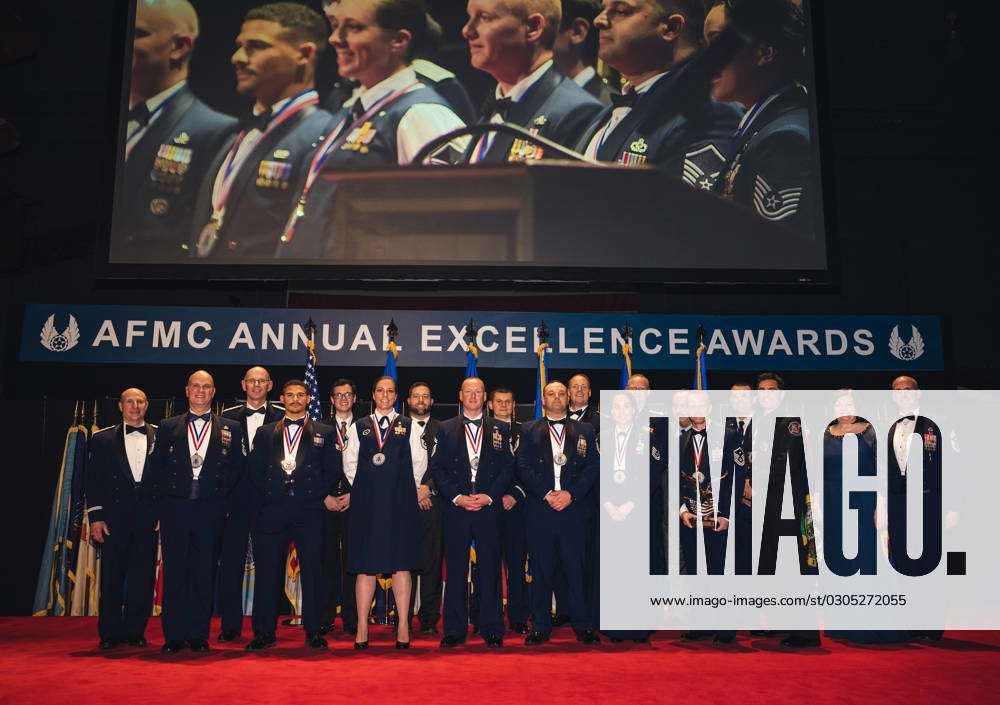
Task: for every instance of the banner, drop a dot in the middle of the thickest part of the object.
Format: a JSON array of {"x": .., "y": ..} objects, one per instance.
[{"x": 242, "y": 336}]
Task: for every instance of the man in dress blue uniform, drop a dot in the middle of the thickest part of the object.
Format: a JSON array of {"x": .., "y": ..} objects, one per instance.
[
  {"x": 472, "y": 468},
  {"x": 171, "y": 138},
  {"x": 197, "y": 460},
  {"x": 558, "y": 465},
  {"x": 580, "y": 409},
  {"x": 294, "y": 465},
  {"x": 247, "y": 195},
  {"x": 338, "y": 585},
  {"x": 576, "y": 48},
  {"x": 770, "y": 157},
  {"x": 121, "y": 509},
  {"x": 664, "y": 115},
  {"x": 513, "y": 538},
  {"x": 242, "y": 504},
  {"x": 512, "y": 41}
]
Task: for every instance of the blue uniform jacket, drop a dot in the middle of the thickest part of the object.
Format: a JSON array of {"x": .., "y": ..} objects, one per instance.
[
  {"x": 110, "y": 485},
  {"x": 317, "y": 464},
  {"x": 450, "y": 465},
  {"x": 169, "y": 465}
]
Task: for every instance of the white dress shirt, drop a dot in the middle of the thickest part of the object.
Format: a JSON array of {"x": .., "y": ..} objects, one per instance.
[
  {"x": 133, "y": 130},
  {"x": 417, "y": 449},
  {"x": 353, "y": 443},
  {"x": 254, "y": 421},
  {"x": 617, "y": 115},
  {"x": 556, "y": 449},
  {"x": 135, "y": 451},
  {"x": 901, "y": 441}
]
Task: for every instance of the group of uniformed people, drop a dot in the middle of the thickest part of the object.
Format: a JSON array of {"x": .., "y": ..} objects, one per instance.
[
  {"x": 384, "y": 494},
  {"x": 712, "y": 95}
]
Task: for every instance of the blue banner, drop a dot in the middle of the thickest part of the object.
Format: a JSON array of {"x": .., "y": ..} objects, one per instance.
[{"x": 240, "y": 336}]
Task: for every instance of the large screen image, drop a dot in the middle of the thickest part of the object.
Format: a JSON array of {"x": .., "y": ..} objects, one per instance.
[{"x": 546, "y": 137}]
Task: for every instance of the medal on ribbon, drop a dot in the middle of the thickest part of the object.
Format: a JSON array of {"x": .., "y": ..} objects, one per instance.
[
  {"x": 619, "y": 476},
  {"x": 475, "y": 442},
  {"x": 198, "y": 440},
  {"x": 559, "y": 437},
  {"x": 379, "y": 458},
  {"x": 291, "y": 446}
]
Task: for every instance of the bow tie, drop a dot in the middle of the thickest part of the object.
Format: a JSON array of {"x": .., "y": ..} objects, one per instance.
[
  {"x": 139, "y": 113},
  {"x": 422, "y": 423},
  {"x": 135, "y": 429},
  {"x": 553, "y": 422},
  {"x": 624, "y": 100},
  {"x": 259, "y": 122},
  {"x": 261, "y": 410},
  {"x": 578, "y": 413},
  {"x": 383, "y": 422},
  {"x": 698, "y": 433},
  {"x": 474, "y": 422},
  {"x": 294, "y": 422},
  {"x": 499, "y": 107},
  {"x": 195, "y": 417},
  {"x": 357, "y": 109}
]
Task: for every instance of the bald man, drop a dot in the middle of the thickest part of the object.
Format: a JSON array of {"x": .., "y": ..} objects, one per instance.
[
  {"x": 242, "y": 505},
  {"x": 512, "y": 40},
  {"x": 122, "y": 516},
  {"x": 194, "y": 466},
  {"x": 170, "y": 138}
]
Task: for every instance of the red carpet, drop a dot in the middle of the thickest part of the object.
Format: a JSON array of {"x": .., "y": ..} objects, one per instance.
[{"x": 55, "y": 660}]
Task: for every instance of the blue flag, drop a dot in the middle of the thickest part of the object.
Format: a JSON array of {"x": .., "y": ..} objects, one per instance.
[
  {"x": 472, "y": 361},
  {"x": 626, "y": 366},
  {"x": 390, "y": 369}
]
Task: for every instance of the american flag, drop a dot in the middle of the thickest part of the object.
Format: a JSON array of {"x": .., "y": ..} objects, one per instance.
[{"x": 312, "y": 385}]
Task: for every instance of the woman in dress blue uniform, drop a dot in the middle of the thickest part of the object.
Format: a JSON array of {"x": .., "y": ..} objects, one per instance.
[
  {"x": 393, "y": 116},
  {"x": 383, "y": 523}
]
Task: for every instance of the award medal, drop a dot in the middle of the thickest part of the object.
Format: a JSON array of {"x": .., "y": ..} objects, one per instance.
[
  {"x": 209, "y": 236},
  {"x": 378, "y": 459},
  {"x": 198, "y": 440},
  {"x": 335, "y": 140},
  {"x": 698, "y": 451},
  {"x": 619, "y": 476},
  {"x": 475, "y": 444},
  {"x": 291, "y": 447},
  {"x": 559, "y": 437}
]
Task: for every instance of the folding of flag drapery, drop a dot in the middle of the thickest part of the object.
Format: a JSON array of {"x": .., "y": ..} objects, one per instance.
[
  {"x": 626, "y": 371},
  {"x": 541, "y": 378},
  {"x": 700, "y": 370}
]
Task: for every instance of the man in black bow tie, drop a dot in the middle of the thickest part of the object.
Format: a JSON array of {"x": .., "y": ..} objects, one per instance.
[
  {"x": 197, "y": 461},
  {"x": 512, "y": 41},
  {"x": 558, "y": 465},
  {"x": 122, "y": 516},
  {"x": 250, "y": 190},
  {"x": 242, "y": 504},
  {"x": 472, "y": 468},
  {"x": 665, "y": 115},
  {"x": 294, "y": 466},
  {"x": 170, "y": 138}
]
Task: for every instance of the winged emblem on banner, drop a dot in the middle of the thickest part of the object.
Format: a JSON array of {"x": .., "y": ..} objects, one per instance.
[
  {"x": 55, "y": 341},
  {"x": 906, "y": 351}
]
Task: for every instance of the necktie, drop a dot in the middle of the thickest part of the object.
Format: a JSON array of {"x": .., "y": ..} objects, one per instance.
[
  {"x": 195, "y": 417},
  {"x": 294, "y": 422},
  {"x": 135, "y": 429},
  {"x": 259, "y": 122},
  {"x": 499, "y": 107},
  {"x": 624, "y": 100},
  {"x": 742, "y": 427},
  {"x": 139, "y": 113},
  {"x": 261, "y": 410},
  {"x": 357, "y": 109},
  {"x": 474, "y": 422}
]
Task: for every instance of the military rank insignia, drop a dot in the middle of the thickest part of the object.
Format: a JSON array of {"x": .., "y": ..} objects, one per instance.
[
  {"x": 497, "y": 439},
  {"x": 360, "y": 139},
  {"x": 739, "y": 457},
  {"x": 273, "y": 174},
  {"x": 636, "y": 153},
  {"x": 775, "y": 204},
  {"x": 581, "y": 446},
  {"x": 702, "y": 167},
  {"x": 169, "y": 167}
]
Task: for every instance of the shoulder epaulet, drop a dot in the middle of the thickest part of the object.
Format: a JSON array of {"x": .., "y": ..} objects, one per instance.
[
  {"x": 155, "y": 426},
  {"x": 430, "y": 70},
  {"x": 277, "y": 405},
  {"x": 106, "y": 428},
  {"x": 230, "y": 408}
]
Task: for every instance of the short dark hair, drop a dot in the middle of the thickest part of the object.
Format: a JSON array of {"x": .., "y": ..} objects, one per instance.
[
  {"x": 344, "y": 382},
  {"x": 304, "y": 23},
  {"x": 587, "y": 10},
  {"x": 774, "y": 376},
  {"x": 411, "y": 15},
  {"x": 501, "y": 390},
  {"x": 419, "y": 384},
  {"x": 693, "y": 12},
  {"x": 395, "y": 384},
  {"x": 294, "y": 383},
  {"x": 780, "y": 24}
]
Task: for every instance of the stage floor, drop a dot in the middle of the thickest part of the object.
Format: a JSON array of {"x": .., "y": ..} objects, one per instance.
[{"x": 56, "y": 660}]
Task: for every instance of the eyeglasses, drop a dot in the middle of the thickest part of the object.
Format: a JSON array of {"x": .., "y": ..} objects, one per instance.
[
  {"x": 342, "y": 395},
  {"x": 257, "y": 381},
  {"x": 296, "y": 395}
]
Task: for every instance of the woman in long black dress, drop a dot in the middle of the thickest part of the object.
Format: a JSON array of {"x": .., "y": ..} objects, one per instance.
[{"x": 383, "y": 523}]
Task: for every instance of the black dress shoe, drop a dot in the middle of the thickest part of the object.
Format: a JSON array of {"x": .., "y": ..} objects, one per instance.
[
  {"x": 798, "y": 641},
  {"x": 402, "y": 644},
  {"x": 695, "y": 635},
  {"x": 262, "y": 641},
  {"x": 723, "y": 640},
  {"x": 138, "y": 641},
  {"x": 519, "y": 627},
  {"x": 172, "y": 647},
  {"x": 493, "y": 641},
  {"x": 315, "y": 641},
  {"x": 198, "y": 645},
  {"x": 536, "y": 638},
  {"x": 106, "y": 644},
  {"x": 560, "y": 620},
  {"x": 588, "y": 636},
  {"x": 451, "y": 640},
  {"x": 228, "y": 635},
  {"x": 361, "y": 645}
]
